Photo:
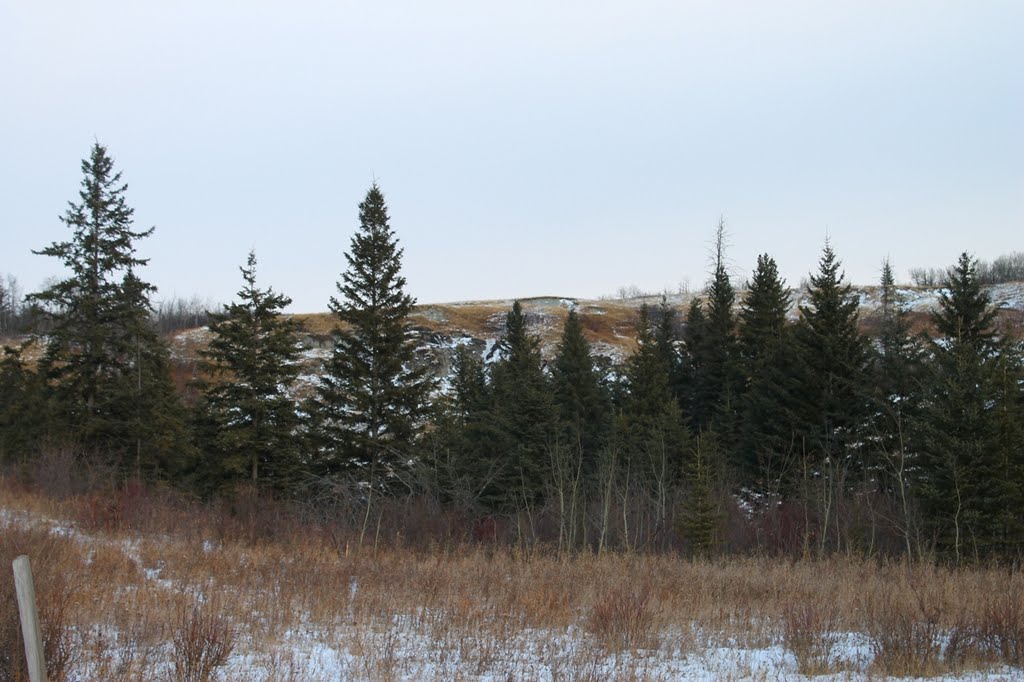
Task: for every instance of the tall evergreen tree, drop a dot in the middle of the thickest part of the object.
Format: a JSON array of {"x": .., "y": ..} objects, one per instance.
[
  {"x": 971, "y": 485},
  {"x": 372, "y": 401},
  {"x": 717, "y": 379},
  {"x": 765, "y": 445},
  {"x": 965, "y": 315},
  {"x": 896, "y": 375},
  {"x": 668, "y": 342},
  {"x": 250, "y": 416},
  {"x": 107, "y": 368},
  {"x": 523, "y": 412},
  {"x": 831, "y": 363},
  {"x": 583, "y": 404},
  {"x": 654, "y": 435},
  {"x": 582, "y": 401},
  {"x": 762, "y": 316},
  {"x": 695, "y": 391},
  {"x": 464, "y": 435},
  {"x": 833, "y": 354}
]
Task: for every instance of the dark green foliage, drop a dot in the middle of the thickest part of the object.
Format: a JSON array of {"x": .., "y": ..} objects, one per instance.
[
  {"x": 249, "y": 417},
  {"x": 700, "y": 525},
  {"x": 23, "y": 407},
  {"x": 970, "y": 431},
  {"x": 832, "y": 354},
  {"x": 896, "y": 374},
  {"x": 693, "y": 369},
  {"x": 770, "y": 382},
  {"x": 888, "y": 445},
  {"x": 655, "y": 436},
  {"x": 107, "y": 368},
  {"x": 463, "y": 437},
  {"x": 898, "y": 352},
  {"x": 372, "y": 401},
  {"x": 583, "y": 405},
  {"x": 668, "y": 340},
  {"x": 762, "y": 316},
  {"x": 581, "y": 398},
  {"x": 965, "y": 316},
  {"x": 713, "y": 351},
  {"x": 524, "y": 414}
]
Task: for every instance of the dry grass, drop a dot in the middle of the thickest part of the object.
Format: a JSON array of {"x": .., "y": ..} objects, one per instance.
[{"x": 166, "y": 589}]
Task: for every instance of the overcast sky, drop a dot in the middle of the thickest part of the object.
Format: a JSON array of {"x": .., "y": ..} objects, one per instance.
[{"x": 524, "y": 148}]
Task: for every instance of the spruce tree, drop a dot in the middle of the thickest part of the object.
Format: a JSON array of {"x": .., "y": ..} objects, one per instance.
[
  {"x": 715, "y": 357},
  {"x": 831, "y": 363},
  {"x": 769, "y": 384},
  {"x": 653, "y": 433},
  {"x": 252, "y": 419},
  {"x": 666, "y": 338},
  {"x": 723, "y": 370},
  {"x": 695, "y": 391},
  {"x": 463, "y": 436},
  {"x": 583, "y": 405},
  {"x": 523, "y": 413},
  {"x": 896, "y": 375},
  {"x": 582, "y": 400},
  {"x": 965, "y": 316},
  {"x": 701, "y": 522},
  {"x": 833, "y": 355},
  {"x": 970, "y": 458},
  {"x": 762, "y": 316},
  {"x": 108, "y": 369},
  {"x": 372, "y": 400}
]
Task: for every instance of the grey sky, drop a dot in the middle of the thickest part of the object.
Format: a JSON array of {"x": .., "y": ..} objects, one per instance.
[{"x": 525, "y": 148}]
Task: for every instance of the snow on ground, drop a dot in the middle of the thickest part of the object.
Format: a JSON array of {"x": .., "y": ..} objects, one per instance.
[
  {"x": 400, "y": 652},
  {"x": 420, "y": 646}
]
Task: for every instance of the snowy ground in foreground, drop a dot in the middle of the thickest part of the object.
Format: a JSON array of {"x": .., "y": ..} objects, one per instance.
[
  {"x": 423, "y": 644},
  {"x": 552, "y": 656}
]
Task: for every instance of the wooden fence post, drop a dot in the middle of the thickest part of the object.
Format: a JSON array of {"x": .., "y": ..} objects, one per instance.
[{"x": 29, "y": 619}]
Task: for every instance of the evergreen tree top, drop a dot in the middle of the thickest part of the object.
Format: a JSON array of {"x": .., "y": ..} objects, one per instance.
[
  {"x": 517, "y": 345},
  {"x": 373, "y": 282},
  {"x": 101, "y": 249},
  {"x": 764, "y": 309},
  {"x": 830, "y": 296},
  {"x": 251, "y": 338},
  {"x": 720, "y": 292},
  {"x": 767, "y": 298},
  {"x": 965, "y": 314}
]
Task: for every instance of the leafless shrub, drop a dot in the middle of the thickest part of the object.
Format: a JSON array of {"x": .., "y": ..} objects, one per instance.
[
  {"x": 809, "y": 633},
  {"x": 623, "y": 620},
  {"x": 1002, "y": 628},
  {"x": 203, "y": 641},
  {"x": 905, "y": 632}
]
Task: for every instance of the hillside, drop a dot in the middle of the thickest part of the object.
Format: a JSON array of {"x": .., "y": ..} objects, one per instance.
[{"x": 609, "y": 324}]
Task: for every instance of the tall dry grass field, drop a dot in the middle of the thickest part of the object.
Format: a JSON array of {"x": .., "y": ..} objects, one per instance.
[{"x": 149, "y": 587}]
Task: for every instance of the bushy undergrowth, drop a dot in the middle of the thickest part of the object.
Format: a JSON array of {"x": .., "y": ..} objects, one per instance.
[{"x": 144, "y": 584}]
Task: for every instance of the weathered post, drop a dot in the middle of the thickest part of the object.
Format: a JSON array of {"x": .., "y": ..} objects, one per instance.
[{"x": 29, "y": 619}]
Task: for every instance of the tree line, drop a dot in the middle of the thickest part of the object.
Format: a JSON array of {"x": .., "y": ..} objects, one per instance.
[
  {"x": 1008, "y": 267},
  {"x": 748, "y": 424}
]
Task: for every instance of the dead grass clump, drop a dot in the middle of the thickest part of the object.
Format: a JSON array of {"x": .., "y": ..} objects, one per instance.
[
  {"x": 203, "y": 641},
  {"x": 905, "y": 629},
  {"x": 53, "y": 562},
  {"x": 809, "y": 633},
  {"x": 1002, "y": 626},
  {"x": 623, "y": 620}
]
